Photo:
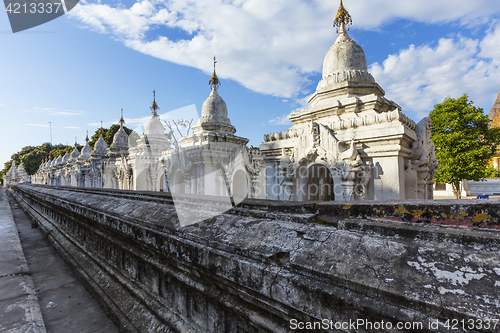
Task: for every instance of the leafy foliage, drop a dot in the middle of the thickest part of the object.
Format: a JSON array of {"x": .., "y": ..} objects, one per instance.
[
  {"x": 32, "y": 156},
  {"x": 464, "y": 141}
]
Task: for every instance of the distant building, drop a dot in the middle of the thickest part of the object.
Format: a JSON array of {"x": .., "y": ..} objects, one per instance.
[{"x": 16, "y": 175}]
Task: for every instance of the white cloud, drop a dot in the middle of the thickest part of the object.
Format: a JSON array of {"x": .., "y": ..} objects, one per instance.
[
  {"x": 37, "y": 125},
  {"x": 283, "y": 120},
  {"x": 263, "y": 54},
  {"x": 490, "y": 46},
  {"x": 373, "y": 14},
  {"x": 130, "y": 22},
  {"x": 417, "y": 78},
  {"x": 137, "y": 124},
  {"x": 58, "y": 112},
  {"x": 268, "y": 46},
  {"x": 43, "y": 125}
]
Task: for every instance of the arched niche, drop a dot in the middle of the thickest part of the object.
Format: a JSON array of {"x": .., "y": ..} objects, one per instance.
[{"x": 319, "y": 185}]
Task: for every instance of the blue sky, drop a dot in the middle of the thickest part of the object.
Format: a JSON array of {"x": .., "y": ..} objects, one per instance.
[{"x": 83, "y": 67}]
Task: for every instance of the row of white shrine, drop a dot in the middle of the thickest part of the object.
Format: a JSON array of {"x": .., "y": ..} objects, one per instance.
[{"x": 351, "y": 143}]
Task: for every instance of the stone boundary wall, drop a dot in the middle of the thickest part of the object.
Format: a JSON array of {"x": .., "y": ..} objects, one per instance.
[
  {"x": 257, "y": 267},
  {"x": 488, "y": 186},
  {"x": 467, "y": 213}
]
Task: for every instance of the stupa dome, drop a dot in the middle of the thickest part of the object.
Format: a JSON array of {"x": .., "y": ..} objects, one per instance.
[
  {"x": 214, "y": 110},
  {"x": 120, "y": 139},
  {"x": 74, "y": 155},
  {"x": 86, "y": 151},
  {"x": 57, "y": 161},
  {"x": 345, "y": 61},
  {"x": 65, "y": 158},
  {"x": 100, "y": 147},
  {"x": 214, "y": 122},
  {"x": 344, "y": 56},
  {"x": 154, "y": 126}
]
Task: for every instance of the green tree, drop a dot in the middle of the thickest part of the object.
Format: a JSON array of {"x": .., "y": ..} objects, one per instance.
[
  {"x": 464, "y": 141},
  {"x": 33, "y": 156},
  {"x": 6, "y": 168}
]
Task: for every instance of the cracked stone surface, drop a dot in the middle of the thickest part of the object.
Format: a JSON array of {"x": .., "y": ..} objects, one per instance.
[{"x": 304, "y": 265}]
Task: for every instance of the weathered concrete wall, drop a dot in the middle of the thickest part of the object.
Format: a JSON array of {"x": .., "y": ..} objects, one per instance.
[{"x": 257, "y": 267}]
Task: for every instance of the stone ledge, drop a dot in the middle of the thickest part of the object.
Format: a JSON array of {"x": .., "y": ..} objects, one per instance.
[{"x": 266, "y": 269}]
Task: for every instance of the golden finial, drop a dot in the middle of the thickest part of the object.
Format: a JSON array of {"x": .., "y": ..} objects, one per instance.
[
  {"x": 154, "y": 106},
  {"x": 342, "y": 19},
  {"x": 101, "y": 131},
  {"x": 122, "y": 121},
  {"x": 75, "y": 142},
  {"x": 214, "y": 80},
  {"x": 87, "y": 138}
]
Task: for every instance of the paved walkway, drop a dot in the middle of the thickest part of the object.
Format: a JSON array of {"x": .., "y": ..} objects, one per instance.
[
  {"x": 19, "y": 307},
  {"x": 51, "y": 299}
]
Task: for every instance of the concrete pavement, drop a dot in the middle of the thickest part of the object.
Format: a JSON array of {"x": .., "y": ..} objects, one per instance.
[
  {"x": 38, "y": 291},
  {"x": 19, "y": 307}
]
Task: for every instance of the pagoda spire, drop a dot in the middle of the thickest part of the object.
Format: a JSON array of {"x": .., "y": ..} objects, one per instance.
[
  {"x": 214, "y": 80},
  {"x": 121, "y": 121},
  {"x": 154, "y": 106},
  {"x": 101, "y": 131},
  {"x": 342, "y": 19}
]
